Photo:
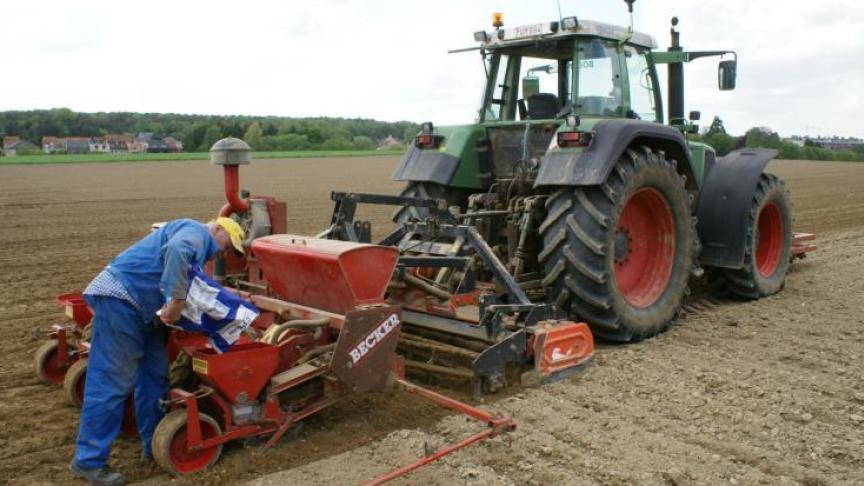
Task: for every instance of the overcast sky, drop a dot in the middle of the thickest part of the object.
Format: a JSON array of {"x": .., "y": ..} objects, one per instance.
[{"x": 801, "y": 63}]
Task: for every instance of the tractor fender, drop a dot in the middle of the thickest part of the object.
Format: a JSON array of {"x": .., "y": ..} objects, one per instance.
[
  {"x": 426, "y": 166},
  {"x": 462, "y": 159},
  {"x": 592, "y": 165},
  {"x": 724, "y": 204}
]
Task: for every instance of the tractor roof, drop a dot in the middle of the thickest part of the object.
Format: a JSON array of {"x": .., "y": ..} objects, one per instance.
[{"x": 553, "y": 31}]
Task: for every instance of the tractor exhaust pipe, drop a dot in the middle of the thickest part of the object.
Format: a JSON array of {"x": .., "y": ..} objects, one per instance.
[
  {"x": 231, "y": 153},
  {"x": 232, "y": 191},
  {"x": 675, "y": 78}
]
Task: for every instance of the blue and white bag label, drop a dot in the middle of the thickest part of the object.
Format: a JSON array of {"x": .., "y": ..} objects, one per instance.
[{"x": 212, "y": 310}]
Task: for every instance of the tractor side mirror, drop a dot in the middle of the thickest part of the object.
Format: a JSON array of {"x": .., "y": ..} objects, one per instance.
[{"x": 726, "y": 72}]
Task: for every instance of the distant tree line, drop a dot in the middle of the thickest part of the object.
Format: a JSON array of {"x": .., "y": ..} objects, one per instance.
[
  {"x": 269, "y": 133},
  {"x": 199, "y": 132},
  {"x": 724, "y": 143}
]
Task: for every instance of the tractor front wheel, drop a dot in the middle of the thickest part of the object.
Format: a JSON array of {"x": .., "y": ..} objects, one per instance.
[
  {"x": 768, "y": 246},
  {"x": 170, "y": 448},
  {"x": 619, "y": 255}
]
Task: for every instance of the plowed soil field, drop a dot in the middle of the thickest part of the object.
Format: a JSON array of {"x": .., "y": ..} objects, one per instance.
[{"x": 766, "y": 392}]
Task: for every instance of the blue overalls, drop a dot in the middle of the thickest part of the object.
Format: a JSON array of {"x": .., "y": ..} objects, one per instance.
[{"x": 127, "y": 350}]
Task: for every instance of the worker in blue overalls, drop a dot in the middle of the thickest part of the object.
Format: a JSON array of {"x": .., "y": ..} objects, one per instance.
[{"x": 127, "y": 348}]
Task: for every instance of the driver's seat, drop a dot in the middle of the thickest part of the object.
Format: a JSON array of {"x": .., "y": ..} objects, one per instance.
[{"x": 542, "y": 106}]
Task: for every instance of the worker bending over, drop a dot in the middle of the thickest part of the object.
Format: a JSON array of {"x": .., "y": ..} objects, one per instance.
[{"x": 127, "y": 350}]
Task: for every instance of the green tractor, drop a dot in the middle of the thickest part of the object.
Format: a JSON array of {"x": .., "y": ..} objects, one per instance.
[{"x": 592, "y": 199}]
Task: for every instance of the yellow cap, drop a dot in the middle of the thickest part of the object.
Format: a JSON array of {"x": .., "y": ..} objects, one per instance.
[{"x": 234, "y": 231}]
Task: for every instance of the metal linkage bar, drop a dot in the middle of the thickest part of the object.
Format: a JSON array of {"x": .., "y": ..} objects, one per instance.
[
  {"x": 497, "y": 426},
  {"x": 473, "y": 237},
  {"x": 384, "y": 199},
  {"x": 427, "y": 287},
  {"x": 342, "y": 221},
  {"x": 393, "y": 238},
  {"x": 432, "y": 262},
  {"x": 447, "y": 325},
  {"x": 801, "y": 245}
]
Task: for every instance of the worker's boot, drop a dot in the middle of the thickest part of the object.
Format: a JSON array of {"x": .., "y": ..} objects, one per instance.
[{"x": 97, "y": 477}]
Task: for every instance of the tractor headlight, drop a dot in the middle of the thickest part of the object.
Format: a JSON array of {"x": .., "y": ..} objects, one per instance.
[{"x": 481, "y": 36}]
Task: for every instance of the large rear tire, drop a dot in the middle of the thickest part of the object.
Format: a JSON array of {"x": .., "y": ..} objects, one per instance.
[
  {"x": 768, "y": 246},
  {"x": 619, "y": 255},
  {"x": 453, "y": 196}
]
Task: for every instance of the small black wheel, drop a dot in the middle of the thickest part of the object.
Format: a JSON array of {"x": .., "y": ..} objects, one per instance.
[
  {"x": 87, "y": 332},
  {"x": 50, "y": 367},
  {"x": 73, "y": 383},
  {"x": 768, "y": 245}
]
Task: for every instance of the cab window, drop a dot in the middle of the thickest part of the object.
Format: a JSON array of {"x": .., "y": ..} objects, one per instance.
[
  {"x": 600, "y": 84},
  {"x": 641, "y": 85},
  {"x": 500, "y": 89},
  {"x": 541, "y": 84},
  {"x": 526, "y": 87}
]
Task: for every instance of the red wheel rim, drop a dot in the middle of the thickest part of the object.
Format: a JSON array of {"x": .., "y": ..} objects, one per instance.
[
  {"x": 644, "y": 247},
  {"x": 130, "y": 425},
  {"x": 53, "y": 367},
  {"x": 769, "y": 240},
  {"x": 186, "y": 461}
]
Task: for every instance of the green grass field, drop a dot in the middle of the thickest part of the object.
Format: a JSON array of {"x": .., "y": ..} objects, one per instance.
[{"x": 121, "y": 157}]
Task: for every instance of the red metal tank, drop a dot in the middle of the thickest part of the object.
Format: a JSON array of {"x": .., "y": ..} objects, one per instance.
[{"x": 335, "y": 276}]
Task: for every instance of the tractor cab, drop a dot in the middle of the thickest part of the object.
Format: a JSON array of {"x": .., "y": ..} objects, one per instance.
[
  {"x": 546, "y": 71},
  {"x": 537, "y": 75},
  {"x": 547, "y": 87}
]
